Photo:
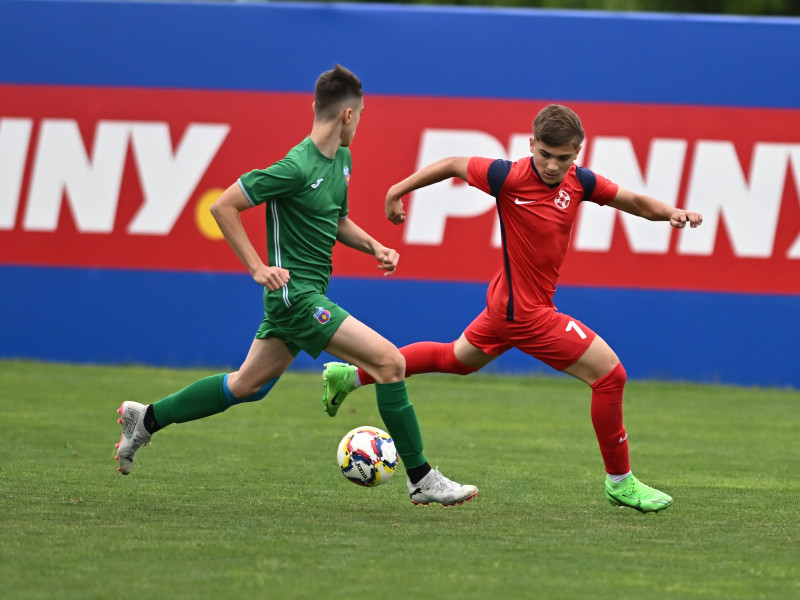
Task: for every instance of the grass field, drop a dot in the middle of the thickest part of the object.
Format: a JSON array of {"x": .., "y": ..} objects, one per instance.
[{"x": 250, "y": 503}]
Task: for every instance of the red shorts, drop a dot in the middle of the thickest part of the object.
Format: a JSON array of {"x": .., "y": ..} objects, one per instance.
[{"x": 554, "y": 338}]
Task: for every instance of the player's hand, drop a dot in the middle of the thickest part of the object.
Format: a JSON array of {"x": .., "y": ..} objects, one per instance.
[
  {"x": 681, "y": 218},
  {"x": 272, "y": 278},
  {"x": 388, "y": 259},
  {"x": 394, "y": 208}
]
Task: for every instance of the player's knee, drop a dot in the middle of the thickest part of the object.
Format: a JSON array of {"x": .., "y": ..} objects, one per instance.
[
  {"x": 246, "y": 393},
  {"x": 389, "y": 366},
  {"x": 615, "y": 379},
  {"x": 447, "y": 361}
]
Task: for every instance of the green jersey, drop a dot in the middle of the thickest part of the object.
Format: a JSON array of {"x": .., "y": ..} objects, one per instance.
[{"x": 305, "y": 195}]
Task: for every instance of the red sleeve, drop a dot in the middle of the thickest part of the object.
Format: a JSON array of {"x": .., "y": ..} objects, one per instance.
[
  {"x": 605, "y": 190},
  {"x": 478, "y": 173}
]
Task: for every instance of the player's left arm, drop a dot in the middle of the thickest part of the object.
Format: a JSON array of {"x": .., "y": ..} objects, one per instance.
[
  {"x": 651, "y": 209},
  {"x": 353, "y": 236}
]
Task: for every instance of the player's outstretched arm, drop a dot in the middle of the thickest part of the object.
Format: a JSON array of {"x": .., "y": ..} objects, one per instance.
[
  {"x": 651, "y": 209},
  {"x": 454, "y": 166},
  {"x": 353, "y": 236}
]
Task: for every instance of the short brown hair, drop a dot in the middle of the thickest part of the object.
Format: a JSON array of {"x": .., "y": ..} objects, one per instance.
[
  {"x": 334, "y": 88},
  {"x": 557, "y": 125}
]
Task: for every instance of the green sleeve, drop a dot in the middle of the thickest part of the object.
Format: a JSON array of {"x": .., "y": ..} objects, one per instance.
[{"x": 281, "y": 180}]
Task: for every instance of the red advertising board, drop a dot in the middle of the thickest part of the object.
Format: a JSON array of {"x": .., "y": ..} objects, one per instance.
[{"x": 123, "y": 177}]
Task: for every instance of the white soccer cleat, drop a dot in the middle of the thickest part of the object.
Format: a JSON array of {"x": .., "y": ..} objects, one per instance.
[
  {"x": 134, "y": 435},
  {"x": 435, "y": 487}
]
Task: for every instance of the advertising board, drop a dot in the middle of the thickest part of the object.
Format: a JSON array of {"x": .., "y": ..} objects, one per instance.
[{"x": 106, "y": 176}]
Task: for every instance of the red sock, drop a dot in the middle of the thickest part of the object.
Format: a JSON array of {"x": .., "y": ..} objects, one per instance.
[
  {"x": 607, "y": 420},
  {"x": 427, "y": 357}
]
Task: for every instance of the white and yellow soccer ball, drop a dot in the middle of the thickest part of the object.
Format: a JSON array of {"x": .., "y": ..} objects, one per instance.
[{"x": 367, "y": 456}]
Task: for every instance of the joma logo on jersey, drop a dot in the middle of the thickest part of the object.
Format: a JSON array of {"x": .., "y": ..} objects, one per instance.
[
  {"x": 90, "y": 180},
  {"x": 714, "y": 183}
]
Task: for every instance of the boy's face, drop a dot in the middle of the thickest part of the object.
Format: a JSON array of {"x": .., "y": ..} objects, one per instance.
[{"x": 553, "y": 162}]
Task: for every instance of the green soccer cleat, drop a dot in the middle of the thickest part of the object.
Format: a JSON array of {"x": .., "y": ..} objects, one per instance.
[
  {"x": 339, "y": 380},
  {"x": 633, "y": 493}
]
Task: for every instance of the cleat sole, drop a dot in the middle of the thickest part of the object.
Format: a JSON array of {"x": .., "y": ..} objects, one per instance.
[{"x": 446, "y": 505}]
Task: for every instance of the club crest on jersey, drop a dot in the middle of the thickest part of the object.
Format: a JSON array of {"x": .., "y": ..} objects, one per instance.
[
  {"x": 322, "y": 315},
  {"x": 346, "y": 172},
  {"x": 562, "y": 200}
]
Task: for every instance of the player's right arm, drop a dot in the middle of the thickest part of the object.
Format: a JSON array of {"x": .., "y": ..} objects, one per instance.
[
  {"x": 226, "y": 211},
  {"x": 454, "y": 166}
]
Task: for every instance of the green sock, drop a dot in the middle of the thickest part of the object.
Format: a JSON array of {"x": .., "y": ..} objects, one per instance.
[
  {"x": 400, "y": 418},
  {"x": 202, "y": 398}
]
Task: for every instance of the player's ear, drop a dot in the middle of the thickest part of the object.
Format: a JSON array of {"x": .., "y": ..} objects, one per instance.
[
  {"x": 533, "y": 141},
  {"x": 347, "y": 114}
]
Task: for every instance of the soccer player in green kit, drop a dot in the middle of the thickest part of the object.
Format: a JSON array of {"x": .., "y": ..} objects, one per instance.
[{"x": 305, "y": 195}]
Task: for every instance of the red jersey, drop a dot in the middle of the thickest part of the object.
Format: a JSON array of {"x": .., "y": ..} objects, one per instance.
[{"x": 535, "y": 223}]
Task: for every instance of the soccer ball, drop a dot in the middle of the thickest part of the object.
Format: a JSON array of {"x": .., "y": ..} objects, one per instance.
[{"x": 367, "y": 456}]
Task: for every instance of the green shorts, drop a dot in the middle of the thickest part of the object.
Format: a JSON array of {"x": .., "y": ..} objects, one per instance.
[{"x": 308, "y": 325}]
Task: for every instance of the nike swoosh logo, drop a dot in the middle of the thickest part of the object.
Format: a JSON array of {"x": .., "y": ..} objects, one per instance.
[
  {"x": 639, "y": 502},
  {"x": 316, "y": 185},
  {"x": 518, "y": 201},
  {"x": 632, "y": 502},
  {"x": 333, "y": 400}
]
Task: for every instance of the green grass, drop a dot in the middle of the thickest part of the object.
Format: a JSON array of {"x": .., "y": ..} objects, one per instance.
[{"x": 250, "y": 503}]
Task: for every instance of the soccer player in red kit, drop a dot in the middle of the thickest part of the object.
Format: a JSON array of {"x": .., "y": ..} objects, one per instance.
[{"x": 537, "y": 202}]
